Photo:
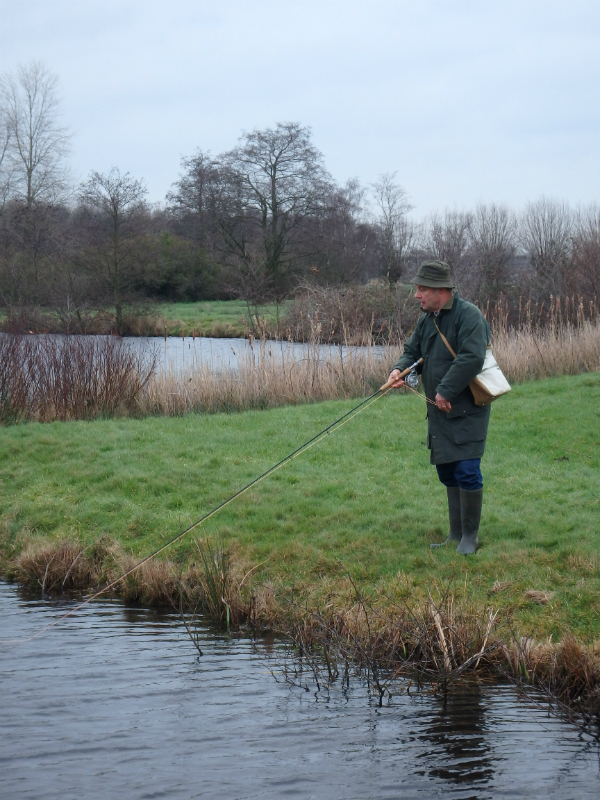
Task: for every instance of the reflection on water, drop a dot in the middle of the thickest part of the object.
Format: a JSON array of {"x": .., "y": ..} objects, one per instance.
[
  {"x": 115, "y": 702},
  {"x": 457, "y": 739}
]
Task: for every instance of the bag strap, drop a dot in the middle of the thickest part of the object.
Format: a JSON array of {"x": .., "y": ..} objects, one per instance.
[{"x": 444, "y": 340}]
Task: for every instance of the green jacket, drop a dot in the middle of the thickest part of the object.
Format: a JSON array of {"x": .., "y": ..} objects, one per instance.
[{"x": 460, "y": 433}]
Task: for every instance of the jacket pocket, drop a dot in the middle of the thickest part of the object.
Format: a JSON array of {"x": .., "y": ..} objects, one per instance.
[{"x": 469, "y": 428}]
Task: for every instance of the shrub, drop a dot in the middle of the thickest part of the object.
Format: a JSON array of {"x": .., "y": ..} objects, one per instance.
[{"x": 73, "y": 377}]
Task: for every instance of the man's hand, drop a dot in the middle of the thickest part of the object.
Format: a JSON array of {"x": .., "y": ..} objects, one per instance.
[
  {"x": 395, "y": 378},
  {"x": 441, "y": 403}
]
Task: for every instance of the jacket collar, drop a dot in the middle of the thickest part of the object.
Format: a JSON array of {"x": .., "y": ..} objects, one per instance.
[{"x": 447, "y": 306}]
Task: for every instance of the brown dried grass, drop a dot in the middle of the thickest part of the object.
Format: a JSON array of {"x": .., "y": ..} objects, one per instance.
[
  {"x": 63, "y": 566},
  {"x": 500, "y": 586},
  {"x": 155, "y": 582},
  {"x": 439, "y": 642},
  {"x": 538, "y": 596}
]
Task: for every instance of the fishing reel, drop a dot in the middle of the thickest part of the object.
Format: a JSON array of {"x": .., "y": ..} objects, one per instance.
[{"x": 412, "y": 379}]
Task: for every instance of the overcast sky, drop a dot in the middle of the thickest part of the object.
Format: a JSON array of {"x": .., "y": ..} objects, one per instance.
[{"x": 467, "y": 100}]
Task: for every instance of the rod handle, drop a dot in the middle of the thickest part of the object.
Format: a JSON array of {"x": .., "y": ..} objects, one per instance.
[{"x": 387, "y": 385}]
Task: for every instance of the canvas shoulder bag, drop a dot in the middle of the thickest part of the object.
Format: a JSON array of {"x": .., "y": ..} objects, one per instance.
[{"x": 490, "y": 383}]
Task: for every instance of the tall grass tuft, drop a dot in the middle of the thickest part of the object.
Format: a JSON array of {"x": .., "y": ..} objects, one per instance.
[
  {"x": 219, "y": 589},
  {"x": 63, "y": 566},
  {"x": 154, "y": 582}
]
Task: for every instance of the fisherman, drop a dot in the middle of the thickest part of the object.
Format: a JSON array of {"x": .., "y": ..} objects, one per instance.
[{"x": 456, "y": 427}]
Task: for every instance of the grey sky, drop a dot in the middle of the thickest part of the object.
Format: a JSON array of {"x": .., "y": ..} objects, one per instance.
[{"x": 468, "y": 100}]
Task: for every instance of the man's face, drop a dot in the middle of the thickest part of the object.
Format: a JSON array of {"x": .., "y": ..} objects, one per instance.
[{"x": 432, "y": 299}]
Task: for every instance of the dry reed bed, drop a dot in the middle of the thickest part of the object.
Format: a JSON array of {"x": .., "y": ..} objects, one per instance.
[
  {"x": 268, "y": 378},
  {"x": 436, "y": 641},
  {"x": 563, "y": 349}
]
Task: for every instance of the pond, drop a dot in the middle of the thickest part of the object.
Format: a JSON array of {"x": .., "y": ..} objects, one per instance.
[{"x": 116, "y": 702}]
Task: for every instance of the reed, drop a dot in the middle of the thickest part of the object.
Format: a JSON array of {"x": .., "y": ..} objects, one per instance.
[
  {"x": 562, "y": 349},
  {"x": 573, "y": 310}
]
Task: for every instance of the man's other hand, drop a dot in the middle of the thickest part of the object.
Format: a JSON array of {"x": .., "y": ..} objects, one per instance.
[{"x": 442, "y": 403}]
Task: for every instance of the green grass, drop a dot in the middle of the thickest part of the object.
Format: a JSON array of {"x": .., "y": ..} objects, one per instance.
[
  {"x": 220, "y": 317},
  {"x": 366, "y": 497}
]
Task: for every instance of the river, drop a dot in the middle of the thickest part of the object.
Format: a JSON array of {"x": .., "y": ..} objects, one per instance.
[
  {"x": 179, "y": 354},
  {"x": 115, "y": 702}
]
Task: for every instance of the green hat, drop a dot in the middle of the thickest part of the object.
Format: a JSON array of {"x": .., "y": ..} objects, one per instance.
[{"x": 435, "y": 274}]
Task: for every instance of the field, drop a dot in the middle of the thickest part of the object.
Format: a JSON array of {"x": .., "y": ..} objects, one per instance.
[
  {"x": 210, "y": 317},
  {"x": 365, "y": 500}
]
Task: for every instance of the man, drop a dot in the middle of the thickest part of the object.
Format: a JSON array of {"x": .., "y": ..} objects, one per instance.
[{"x": 457, "y": 428}]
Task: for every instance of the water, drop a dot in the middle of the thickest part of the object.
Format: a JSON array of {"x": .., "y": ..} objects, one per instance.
[
  {"x": 115, "y": 702},
  {"x": 179, "y": 353}
]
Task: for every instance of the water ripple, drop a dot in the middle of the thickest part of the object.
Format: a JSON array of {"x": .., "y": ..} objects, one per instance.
[{"x": 114, "y": 702}]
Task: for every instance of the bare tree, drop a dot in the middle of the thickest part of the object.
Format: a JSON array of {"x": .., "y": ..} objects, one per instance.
[
  {"x": 274, "y": 180},
  {"x": 396, "y": 232},
  {"x": 493, "y": 243},
  {"x": 340, "y": 244},
  {"x": 116, "y": 213},
  {"x": 193, "y": 198},
  {"x": 448, "y": 238},
  {"x": 37, "y": 146},
  {"x": 5, "y": 171},
  {"x": 270, "y": 216},
  {"x": 584, "y": 278},
  {"x": 546, "y": 230}
]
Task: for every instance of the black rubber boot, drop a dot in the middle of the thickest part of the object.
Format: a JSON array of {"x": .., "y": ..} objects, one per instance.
[
  {"x": 470, "y": 509},
  {"x": 454, "y": 516}
]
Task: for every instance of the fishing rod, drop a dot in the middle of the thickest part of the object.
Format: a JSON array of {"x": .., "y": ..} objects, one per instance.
[{"x": 409, "y": 373}]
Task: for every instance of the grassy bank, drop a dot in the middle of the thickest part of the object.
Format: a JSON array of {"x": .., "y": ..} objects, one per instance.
[{"x": 366, "y": 499}]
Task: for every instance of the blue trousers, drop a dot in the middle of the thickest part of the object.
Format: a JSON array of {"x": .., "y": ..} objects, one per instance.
[{"x": 464, "y": 474}]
